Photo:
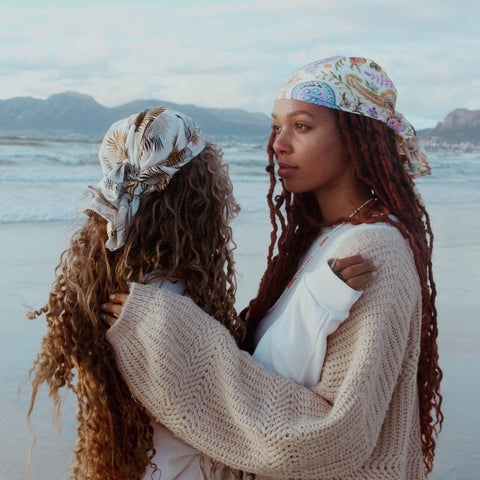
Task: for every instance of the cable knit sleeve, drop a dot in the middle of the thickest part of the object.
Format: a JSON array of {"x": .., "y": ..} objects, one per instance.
[{"x": 185, "y": 368}]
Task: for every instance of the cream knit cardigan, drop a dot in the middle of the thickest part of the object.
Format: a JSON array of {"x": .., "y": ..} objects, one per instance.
[{"x": 360, "y": 422}]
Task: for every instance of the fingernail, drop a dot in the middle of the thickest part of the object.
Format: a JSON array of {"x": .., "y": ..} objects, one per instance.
[{"x": 112, "y": 296}]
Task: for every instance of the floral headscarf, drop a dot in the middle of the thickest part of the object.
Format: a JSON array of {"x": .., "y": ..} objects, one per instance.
[
  {"x": 140, "y": 154},
  {"x": 357, "y": 85}
]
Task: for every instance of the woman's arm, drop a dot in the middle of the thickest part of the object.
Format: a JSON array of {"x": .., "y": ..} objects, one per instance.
[
  {"x": 355, "y": 271},
  {"x": 187, "y": 371}
]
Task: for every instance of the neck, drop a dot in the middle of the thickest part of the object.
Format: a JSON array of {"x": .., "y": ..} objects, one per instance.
[{"x": 334, "y": 207}]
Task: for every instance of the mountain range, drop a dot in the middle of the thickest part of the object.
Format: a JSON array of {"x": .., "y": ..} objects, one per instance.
[{"x": 71, "y": 114}]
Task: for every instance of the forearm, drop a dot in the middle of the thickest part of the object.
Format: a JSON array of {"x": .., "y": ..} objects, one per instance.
[{"x": 217, "y": 398}]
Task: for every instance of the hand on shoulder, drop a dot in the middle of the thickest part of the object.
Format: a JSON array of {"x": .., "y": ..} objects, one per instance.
[
  {"x": 356, "y": 271},
  {"x": 113, "y": 308}
]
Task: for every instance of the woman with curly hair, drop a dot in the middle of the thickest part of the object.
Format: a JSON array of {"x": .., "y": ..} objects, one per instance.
[
  {"x": 161, "y": 217},
  {"x": 370, "y": 403}
]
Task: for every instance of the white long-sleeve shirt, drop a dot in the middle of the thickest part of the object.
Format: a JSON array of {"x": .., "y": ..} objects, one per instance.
[{"x": 292, "y": 338}]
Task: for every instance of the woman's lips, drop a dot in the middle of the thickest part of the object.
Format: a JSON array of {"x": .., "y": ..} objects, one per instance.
[{"x": 285, "y": 170}]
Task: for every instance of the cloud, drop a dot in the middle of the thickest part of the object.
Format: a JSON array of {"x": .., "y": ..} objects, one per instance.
[
  {"x": 89, "y": 48},
  {"x": 236, "y": 54}
]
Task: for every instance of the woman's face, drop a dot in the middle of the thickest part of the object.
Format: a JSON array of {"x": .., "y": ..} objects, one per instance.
[{"x": 310, "y": 153}]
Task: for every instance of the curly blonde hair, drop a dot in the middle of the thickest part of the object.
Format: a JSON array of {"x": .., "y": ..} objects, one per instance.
[{"x": 183, "y": 233}]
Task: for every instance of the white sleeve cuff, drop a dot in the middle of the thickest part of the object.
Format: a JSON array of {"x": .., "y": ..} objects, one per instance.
[{"x": 330, "y": 291}]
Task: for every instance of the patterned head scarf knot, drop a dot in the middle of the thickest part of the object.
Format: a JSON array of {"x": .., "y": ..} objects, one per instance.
[
  {"x": 140, "y": 154},
  {"x": 357, "y": 85}
]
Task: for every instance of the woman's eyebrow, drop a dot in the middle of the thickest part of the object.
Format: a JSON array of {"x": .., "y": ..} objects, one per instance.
[{"x": 294, "y": 114}]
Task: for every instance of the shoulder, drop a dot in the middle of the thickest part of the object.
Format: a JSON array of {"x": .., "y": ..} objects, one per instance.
[
  {"x": 388, "y": 248},
  {"x": 377, "y": 238}
]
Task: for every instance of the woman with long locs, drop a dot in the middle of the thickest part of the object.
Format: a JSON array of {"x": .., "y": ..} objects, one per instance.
[
  {"x": 352, "y": 399},
  {"x": 160, "y": 216}
]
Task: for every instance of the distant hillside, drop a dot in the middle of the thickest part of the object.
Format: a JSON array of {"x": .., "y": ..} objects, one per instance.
[
  {"x": 461, "y": 126},
  {"x": 72, "y": 114}
]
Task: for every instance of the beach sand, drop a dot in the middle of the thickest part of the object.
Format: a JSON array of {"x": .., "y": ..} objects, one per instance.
[{"x": 30, "y": 252}]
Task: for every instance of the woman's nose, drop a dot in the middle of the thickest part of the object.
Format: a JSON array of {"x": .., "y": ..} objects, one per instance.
[{"x": 282, "y": 143}]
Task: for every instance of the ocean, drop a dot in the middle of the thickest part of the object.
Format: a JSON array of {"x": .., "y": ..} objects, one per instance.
[
  {"x": 42, "y": 180},
  {"x": 41, "y": 185}
]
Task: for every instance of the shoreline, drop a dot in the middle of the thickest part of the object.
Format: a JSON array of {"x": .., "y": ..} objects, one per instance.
[{"x": 30, "y": 251}]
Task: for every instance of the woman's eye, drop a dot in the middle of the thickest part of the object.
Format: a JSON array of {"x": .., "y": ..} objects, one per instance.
[
  {"x": 275, "y": 128},
  {"x": 301, "y": 126}
]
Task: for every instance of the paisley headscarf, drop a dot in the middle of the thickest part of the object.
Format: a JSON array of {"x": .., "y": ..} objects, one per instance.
[
  {"x": 357, "y": 85},
  {"x": 138, "y": 155}
]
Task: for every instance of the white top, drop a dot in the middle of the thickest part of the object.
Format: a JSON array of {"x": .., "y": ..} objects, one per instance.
[{"x": 292, "y": 338}]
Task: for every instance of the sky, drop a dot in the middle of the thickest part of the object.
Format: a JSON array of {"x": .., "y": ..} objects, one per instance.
[{"x": 236, "y": 53}]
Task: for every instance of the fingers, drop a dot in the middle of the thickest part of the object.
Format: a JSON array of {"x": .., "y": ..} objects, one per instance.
[
  {"x": 113, "y": 309},
  {"x": 356, "y": 271},
  {"x": 359, "y": 282},
  {"x": 340, "y": 264},
  {"x": 119, "y": 298},
  {"x": 108, "y": 319}
]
